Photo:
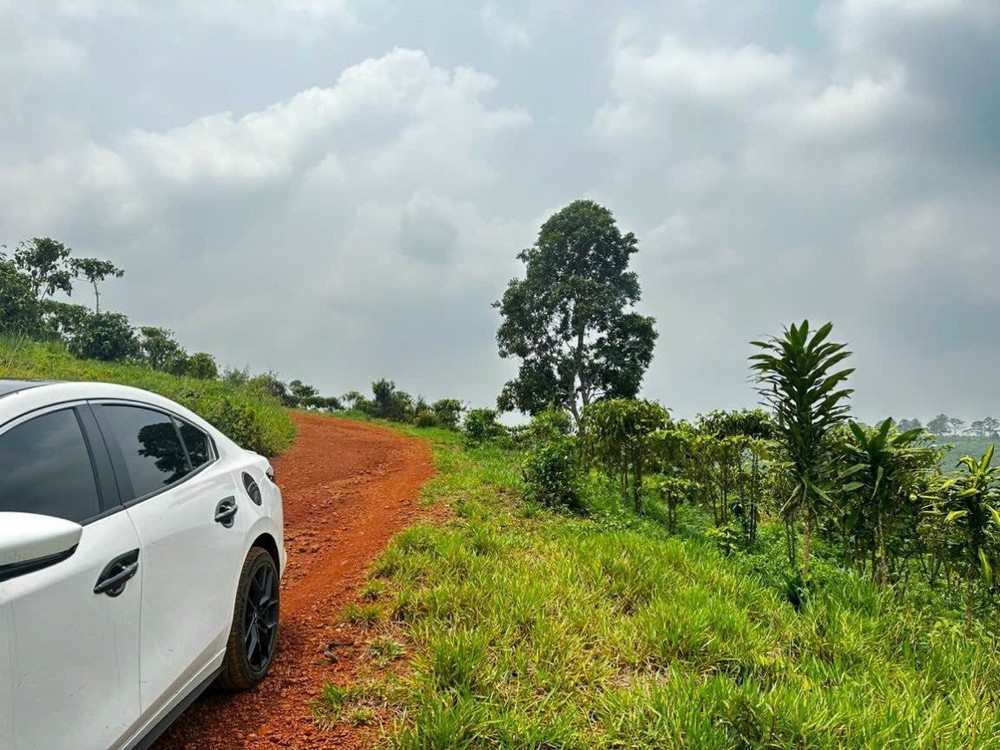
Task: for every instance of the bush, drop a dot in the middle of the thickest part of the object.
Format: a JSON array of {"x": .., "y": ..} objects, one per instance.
[
  {"x": 106, "y": 337},
  {"x": 481, "y": 426},
  {"x": 553, "y": 475},
  {"x": 202, "y": 366},
  {"x": 549, "y": 426},
  {"x": 425, "y": 419}
]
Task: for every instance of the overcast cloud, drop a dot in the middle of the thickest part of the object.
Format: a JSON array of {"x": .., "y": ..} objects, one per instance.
[{"x": 336, "y": 189}]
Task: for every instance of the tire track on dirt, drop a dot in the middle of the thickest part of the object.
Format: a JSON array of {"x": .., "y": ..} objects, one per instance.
[{"x": 347, "y": 488}]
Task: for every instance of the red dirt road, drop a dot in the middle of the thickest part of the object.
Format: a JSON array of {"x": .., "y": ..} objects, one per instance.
[{"x": 347, "y": 488}]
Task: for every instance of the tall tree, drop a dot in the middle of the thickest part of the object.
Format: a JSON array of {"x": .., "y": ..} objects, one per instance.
[
  {"x": 570, "y": 320},
  {"x": 45, "y": 263},
  {"x": 939, "y": 425},
  {"x": 796, "y": 378},
  {"x": 95, "y": 271},
  {"x": 20, "y": 311}
]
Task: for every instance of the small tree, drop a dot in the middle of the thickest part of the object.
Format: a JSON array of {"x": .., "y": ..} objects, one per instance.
[
  {"x": 448, "y": 412},
  {"x": 796, "y": 377},
  {"x": 885, "y": 469},
  {"x": 616, "y": 435},
  {"x": 965, "y": 508},
  {"x": 45, "y": 263},
  {"x": 159, "y": 347},
  {"x": 95, "y": 271},
  {"x": 19, "y": 308}
]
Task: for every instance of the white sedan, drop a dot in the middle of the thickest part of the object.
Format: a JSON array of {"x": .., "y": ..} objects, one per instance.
[{"x": 141, "y": 552}]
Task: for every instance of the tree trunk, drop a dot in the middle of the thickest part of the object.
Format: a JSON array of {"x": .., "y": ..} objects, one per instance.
[
  {"x": 806, "y": 543},
  {"x": 970, "y": 600},
  {"x": 880, "y": 562}
]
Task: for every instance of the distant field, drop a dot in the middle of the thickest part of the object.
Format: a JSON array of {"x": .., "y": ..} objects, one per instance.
[
  {"x": 963, "y": 445},
  {"x": 247, "y": 415}
]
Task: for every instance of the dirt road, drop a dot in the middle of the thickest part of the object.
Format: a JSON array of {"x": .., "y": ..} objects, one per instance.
[{"x": 347, "y": 488}]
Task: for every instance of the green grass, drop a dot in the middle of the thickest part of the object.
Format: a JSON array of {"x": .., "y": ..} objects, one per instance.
[
  {"x": 528, "y": 629},
  {"x": 251, "y": 418}
]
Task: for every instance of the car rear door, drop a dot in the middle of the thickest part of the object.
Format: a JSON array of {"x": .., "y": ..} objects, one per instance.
[
  {"x": 69, "y": 656},
  {"x": 174, "y": 488}
]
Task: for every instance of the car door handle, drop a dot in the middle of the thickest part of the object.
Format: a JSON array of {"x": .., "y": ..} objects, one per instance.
[
  {"x": 117, "y": 573},
  {"x": 225, "y": 511}
]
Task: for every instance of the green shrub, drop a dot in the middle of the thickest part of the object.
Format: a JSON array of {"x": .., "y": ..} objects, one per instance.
[
  {"x": 481, "y": 426},
  {"x": 425, "y": 419},
  {"x": 553, "y": 475},
  {"x": 246, "y": 414}
]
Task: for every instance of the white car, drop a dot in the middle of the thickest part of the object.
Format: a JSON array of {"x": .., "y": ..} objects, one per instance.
[{"x": 141, "y": 552}]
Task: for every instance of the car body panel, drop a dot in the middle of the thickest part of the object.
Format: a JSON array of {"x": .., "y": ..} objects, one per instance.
[
  {"x": 169, "y": 627},
  {"x": 73, "y": 655}
]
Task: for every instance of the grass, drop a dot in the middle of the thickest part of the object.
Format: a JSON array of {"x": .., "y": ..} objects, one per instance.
[
  {"x": 530, "y": 629},
  {"x": 251, "y": 418}
]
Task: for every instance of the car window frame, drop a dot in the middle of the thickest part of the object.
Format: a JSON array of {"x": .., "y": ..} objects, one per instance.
[
  {"x": 108, "y": 493},
  {"x": 121, "y": 471}
]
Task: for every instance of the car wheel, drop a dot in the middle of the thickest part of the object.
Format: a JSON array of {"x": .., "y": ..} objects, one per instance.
[{"x": 253, "y": 637}]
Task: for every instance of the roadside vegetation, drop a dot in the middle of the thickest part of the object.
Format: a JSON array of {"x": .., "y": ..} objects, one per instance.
[
  {"x": 246, "y": 412},
  {"x": 784, "y": 577}
]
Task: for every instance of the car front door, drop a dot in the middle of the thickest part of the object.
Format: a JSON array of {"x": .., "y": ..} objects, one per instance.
[
  {"x": 69, "y": 655},
  {"x": 175, "y": 489}
]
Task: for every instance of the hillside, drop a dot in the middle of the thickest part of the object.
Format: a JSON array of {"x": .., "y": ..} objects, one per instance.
[
  {"x": 513, "y": 627},
  {"x": 965, "y": 445},
  {"x": 247, "y": 414}
]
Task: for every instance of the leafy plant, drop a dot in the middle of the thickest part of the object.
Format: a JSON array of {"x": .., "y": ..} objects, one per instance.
[
  {"x": 617, "y": 435},
  {"x": 966, "y": 507},
  {"x": 553, "y": 475},
  {"x": 481, "y": 426},
  {"x": 797, "y": 377},
  {"x": 884, "y": 470}
]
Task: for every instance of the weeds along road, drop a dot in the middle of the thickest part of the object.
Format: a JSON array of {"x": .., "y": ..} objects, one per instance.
[{"x": 347, "y": 487}]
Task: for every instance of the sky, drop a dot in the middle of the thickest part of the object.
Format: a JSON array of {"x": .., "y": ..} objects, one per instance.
[{"x": 336, "y": 190}]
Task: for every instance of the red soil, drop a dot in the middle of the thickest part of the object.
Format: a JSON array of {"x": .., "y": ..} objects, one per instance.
[{"x": 347, "y": 488}]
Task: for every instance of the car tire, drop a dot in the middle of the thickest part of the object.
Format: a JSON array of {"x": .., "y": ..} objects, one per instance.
[{"x": 253, "y": 637}]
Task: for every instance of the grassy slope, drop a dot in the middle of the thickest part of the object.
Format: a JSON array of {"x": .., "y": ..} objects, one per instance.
[
  {"x": 247, "y": 416},
  {"x": 532, "y": 630},
  {"x": 965, "y": 445}
]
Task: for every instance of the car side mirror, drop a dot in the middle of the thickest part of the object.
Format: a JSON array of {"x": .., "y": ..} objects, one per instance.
[{"x": 30, "y": 542}]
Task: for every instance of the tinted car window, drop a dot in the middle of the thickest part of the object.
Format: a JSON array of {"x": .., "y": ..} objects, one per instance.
[
  {"x": 197, "y": 444},
  {"x": 152, "y": 450},
  {"x": 45, "y": 468}
]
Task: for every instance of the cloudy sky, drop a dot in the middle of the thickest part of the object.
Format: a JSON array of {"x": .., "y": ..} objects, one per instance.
[{"x": 336, "y": 189}]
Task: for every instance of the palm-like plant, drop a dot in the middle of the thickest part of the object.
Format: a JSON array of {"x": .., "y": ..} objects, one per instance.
[
  {"x": 796, "y": 377},
  {"x": 885, "y": 469},
  {"x": 966, "y": 508}
]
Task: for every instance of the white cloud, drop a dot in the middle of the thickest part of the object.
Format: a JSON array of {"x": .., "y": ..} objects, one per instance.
[
  {"x": 505, "y": 32},
  {"x": 408, "y": 124}
]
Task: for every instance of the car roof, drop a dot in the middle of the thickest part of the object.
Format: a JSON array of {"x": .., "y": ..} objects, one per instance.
[{"x": 13, "y": 386}]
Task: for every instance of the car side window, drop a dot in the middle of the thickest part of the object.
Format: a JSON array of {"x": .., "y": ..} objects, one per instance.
[
  {"x": 199, "y": 447},
  {"x": 150, "y": 445},
  {"x": 45, "y": 468}
]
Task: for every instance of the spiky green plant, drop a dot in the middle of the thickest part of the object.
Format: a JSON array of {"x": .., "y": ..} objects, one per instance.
[
  {"x": 885, "y": 470},
  {"x": 966, "y": 508},
  {"x": 797, "y": 378}
]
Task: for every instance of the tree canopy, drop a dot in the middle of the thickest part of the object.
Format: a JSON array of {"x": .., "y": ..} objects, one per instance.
[{"x": 571, "y": 319}]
